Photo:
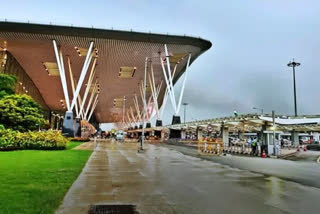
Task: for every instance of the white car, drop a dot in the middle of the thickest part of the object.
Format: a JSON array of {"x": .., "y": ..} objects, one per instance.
[{"x": 120, "y": 136}]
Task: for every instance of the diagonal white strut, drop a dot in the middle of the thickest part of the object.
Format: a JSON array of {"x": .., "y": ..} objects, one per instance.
[
  {"x": 166, "y": 94},
  {"x": 154, "y": 91},
  {"x": 168, "y": 85},
  {"x": 59, "y": 58},
  {"x": 183, "y": 84},
  {"x": 72, "y": 83},
  {"x": 78, "y": 104},
  {"x": 90, "y": 100},
  {"x": 92, "y": 72},
  {"x": 83, "y": 74},
  {"x": 93, "y": 107},
  {"x": 136, "y": 103},
  {"x": 133, "y": 117},
  {"x": 169, "y": 74}
]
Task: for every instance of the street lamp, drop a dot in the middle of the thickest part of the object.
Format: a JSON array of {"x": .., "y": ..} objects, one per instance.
[
  {"x": 185, "y": 109},
  {"x": 294, "y": 64},
  {"x": 260, "y": 109}
]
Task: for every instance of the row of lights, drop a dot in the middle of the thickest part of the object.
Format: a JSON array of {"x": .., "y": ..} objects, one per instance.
[
  {"x": 23, "y": 87},
  {"x": 45, "y": 67}
]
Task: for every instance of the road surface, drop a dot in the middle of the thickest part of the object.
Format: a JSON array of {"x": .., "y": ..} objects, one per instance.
[{"x": 163, "y": 180}]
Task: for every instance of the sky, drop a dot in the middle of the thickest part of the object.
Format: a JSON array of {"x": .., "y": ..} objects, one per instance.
[{"x": 253, "y": 40}]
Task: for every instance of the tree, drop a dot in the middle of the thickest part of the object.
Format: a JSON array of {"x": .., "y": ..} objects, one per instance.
[
  {"x": 20, "y": 112},
  {"x": 7, "y": 84}
]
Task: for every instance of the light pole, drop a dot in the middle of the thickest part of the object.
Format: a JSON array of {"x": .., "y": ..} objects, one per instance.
[
  {"x": 123, "y": 111},
  {"x": 294, "y": 64},
  {"x": 260, "y": 109},
  {"x": 144, "y": 103},
  {"x": 185, "y": 110}
]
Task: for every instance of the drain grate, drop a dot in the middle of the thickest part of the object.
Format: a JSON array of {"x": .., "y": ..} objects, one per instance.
[{"x": 113, "y": 209}]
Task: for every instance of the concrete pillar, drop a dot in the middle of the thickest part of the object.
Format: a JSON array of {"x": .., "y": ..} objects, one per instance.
[
  {"x": 176, "y": 119},
  {"x": 295, "y": 137},
  {"x": 199, "y": 134},
  {"x": 225, "y": 136},
  {"x": 67, "y": 128},
  {"x": 158, "y": 123},
  {"x": 77, "y": 127},
  {"x": 183, "y": 134}
]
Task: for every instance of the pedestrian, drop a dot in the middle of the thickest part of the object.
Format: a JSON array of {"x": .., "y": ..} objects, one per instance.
[
  {"x": 254, "y": 146},
  {"x": 282, "y": 142}
]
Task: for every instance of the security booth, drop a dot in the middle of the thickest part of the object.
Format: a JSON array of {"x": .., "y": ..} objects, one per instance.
[{"x": 270, "y": 146}]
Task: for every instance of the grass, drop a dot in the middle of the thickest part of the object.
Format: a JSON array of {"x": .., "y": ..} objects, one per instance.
[{"x": 36, "y": 181}]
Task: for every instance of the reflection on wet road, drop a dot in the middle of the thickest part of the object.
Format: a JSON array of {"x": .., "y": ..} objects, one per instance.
[{"x": 165, "y": 181}]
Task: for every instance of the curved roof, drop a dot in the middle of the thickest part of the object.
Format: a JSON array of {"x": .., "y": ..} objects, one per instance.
[{"x": 31, "y": 45}]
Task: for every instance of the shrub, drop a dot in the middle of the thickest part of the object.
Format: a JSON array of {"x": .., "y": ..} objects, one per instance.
[
  {"x": 46, "y": 140},
  {"x": 20, "y": 112},
  {"x": 8, "y": 140},
  {"x": 7, "y": 84}
]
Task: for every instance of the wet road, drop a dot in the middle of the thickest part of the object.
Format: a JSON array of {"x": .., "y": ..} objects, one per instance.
[{"x": 162, "y": 180}]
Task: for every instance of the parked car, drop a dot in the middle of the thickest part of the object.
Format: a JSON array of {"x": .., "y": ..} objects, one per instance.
[{"x": 120, "y": 135}]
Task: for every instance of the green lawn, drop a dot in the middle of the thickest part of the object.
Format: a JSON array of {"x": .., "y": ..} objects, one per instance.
[{"x": 36, "y": 181}]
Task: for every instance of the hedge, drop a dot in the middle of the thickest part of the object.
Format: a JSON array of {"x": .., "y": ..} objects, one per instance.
[{"x": 45, "y": 140}]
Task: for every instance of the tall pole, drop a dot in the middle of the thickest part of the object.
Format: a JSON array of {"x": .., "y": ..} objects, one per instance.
[
  {"x": 274, "y": 132},
  {"x": 185, "y": 110},
  {"x": 144, "y": 102},
  {"x": 294, "y": 64},
  {"x": 294, "y": 91},
  {"x": 123, "y": 110}
]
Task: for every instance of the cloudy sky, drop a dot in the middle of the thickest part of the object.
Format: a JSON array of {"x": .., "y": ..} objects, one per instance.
[{"x": 253, "y": 40}]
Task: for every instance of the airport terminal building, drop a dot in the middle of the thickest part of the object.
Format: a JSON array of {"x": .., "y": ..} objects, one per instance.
[{"x": 95, "y": 75}]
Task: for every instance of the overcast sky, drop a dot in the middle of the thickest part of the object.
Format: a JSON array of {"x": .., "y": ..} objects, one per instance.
[{"x": 253, "y": 40}]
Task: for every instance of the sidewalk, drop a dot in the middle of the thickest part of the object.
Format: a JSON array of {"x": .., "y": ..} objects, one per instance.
[{"x": 113, "y": 175}]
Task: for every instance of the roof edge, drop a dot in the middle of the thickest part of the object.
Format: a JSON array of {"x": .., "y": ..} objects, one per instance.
[{"x": 104, "y": 33}]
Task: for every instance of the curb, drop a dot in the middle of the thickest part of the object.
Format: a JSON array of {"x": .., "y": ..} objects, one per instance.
[{"x": 288, "y": 155}]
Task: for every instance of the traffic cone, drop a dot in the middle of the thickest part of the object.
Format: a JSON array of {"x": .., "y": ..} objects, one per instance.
[
  {"x": 263, "y": 155},
  {"x": 298, "y": 149},
  {"x": 305, "y": 148}
]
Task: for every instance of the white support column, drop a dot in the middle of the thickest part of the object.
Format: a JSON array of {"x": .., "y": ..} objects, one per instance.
[
  {"x": 154, "y": 91},
  {"x": 168, "y": 86},
  {"x": 62, "y": 74},
  {"x": 88, "y": 84},
  {"x": 137, "y": 106},
  {"x": 166, "y": 94},
  {"x": 129, "y": 119},
  {"x": 123, "y": 109},
  {"x": 169, "y": 73},
  {"x": 83, "y": 74},
  {"x": 90, "y": 100},
  {"x": 72, "y": 83},
  {"x": 158, "y": 90},
  {"x": 183, "y": 85},
  {"x": 133, "y": 117},
  {"x": 93, "y": 107},
  {"x": 148, "y": 116}
]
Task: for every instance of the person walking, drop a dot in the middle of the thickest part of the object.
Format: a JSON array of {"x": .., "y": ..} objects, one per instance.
[{"x": 254, "y": 146}]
